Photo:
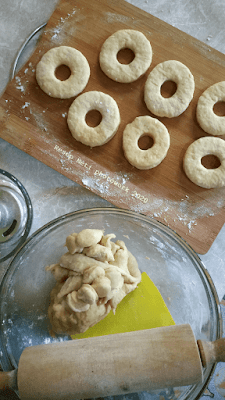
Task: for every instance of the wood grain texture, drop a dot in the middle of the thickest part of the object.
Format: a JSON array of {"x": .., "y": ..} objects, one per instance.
[
  {"x": 108, "y": 365},
  {"x": 36, "y": 123}
]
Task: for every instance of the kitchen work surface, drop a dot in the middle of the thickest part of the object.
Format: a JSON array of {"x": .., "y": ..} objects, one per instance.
[
  {"x": 54, "y": 194},
  {"x": 37, "y": 123}
]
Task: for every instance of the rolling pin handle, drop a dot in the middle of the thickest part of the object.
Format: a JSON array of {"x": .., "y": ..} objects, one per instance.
[
  {"x": 8, "y": 380},
  {"x": 212, "y": 352}
]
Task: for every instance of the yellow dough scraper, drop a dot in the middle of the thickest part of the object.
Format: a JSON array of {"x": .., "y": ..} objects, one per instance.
[{"x": 144, "y": 308}]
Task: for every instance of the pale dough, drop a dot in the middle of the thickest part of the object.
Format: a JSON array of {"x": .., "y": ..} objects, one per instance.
[
  {"x": 150, "y": 158},
  {"x": 175, "y": 105},
  {"x": 102, "y": 133},
  {"x": 207, "y": 119},
  {"x": 133, "y": 40},
  {"x": 196, "y": 172},
  {"x": 92, "y": 278},
  {"x": 72, "y": 58}
]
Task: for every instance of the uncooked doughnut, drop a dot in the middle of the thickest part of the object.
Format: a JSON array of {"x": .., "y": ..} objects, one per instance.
[
  {"x": 207, "y": 119},
  {"x": 175, "y": 105},
  {"x": 196, "y": 172},
  {"x": 100, "y": 134},
  {"x": 133, "y": 40},
  {"x": 92, "y": 278},
  {"x": 150, "y": 158},
  {"x": 72, "y": 58}
]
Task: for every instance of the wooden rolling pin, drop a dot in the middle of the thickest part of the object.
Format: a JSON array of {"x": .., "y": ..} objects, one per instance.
[{"x": 114, "y": 364}]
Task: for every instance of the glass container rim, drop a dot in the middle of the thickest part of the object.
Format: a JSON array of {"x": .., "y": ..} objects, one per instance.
[{"x": 29, "y": 208}]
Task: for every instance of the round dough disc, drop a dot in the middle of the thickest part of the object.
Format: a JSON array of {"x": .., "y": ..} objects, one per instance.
[
  {"x": 102, "y": 133},
  {"x": 122, "y": 39},
  {"x": 207, "y": 119},
  {"x": 196, "y": 172},
  {"x": 142, "y": 126},
  {"x": 74, "y": 60},
  {"x": 175, "y": 105}
]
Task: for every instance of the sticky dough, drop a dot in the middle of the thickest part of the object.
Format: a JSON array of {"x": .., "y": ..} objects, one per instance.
[
  {"x": 72, "y": 58},
  {"x": 92, "y": 278},
  {"x": 207, "y": 119},
  {"x": 133, "y": 40},
  {"x": 171, "y": 70},
  {"x": 102, "y": 133},
  {"x": 142, "y": 126},
  {"x": 196, "y": 172}
]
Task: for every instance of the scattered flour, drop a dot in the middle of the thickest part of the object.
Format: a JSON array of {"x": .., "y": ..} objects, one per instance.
[
  {"x": 19, "y": 84},
  {"x": 172, "y": 213},
  {"x": 113, "y": 17},
  {"x": 60, "y": 30},
  {"x": 26, "y": 104}
]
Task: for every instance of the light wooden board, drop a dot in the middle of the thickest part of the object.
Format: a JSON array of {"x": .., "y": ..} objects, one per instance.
[{"x": 36, "y": 123}]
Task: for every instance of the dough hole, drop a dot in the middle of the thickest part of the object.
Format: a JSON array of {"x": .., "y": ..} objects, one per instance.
[
  {"x": 93, "y": 118},
  {"x": 145, "y": 142},
  {"x": 125, "y": 56},
  {"x": 168, "y": 89},
  {"x": 219, "y": 108},
  {"x": 210, "y": 161},
  {"x": 62, "y": 72}
]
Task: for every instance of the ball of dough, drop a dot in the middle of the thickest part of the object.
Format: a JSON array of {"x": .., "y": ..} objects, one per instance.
[{"x": 95, "y": 281}]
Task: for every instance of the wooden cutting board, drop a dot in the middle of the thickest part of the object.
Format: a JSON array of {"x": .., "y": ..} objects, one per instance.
[{"x": 37, "y": 123}]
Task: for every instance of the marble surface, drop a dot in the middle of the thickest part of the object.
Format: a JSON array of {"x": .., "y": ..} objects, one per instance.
[{"x": 51, "y": 193}]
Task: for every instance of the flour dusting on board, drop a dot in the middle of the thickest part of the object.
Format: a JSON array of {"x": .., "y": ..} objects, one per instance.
[
  {"x": 19, "y": 85},
  {"x": 113, "y": 17},
  {"x": 65, "y": 27},
  {"x": 181, "y": 212}
]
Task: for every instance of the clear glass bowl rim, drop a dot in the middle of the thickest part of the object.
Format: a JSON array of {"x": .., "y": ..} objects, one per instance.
[{"x": 29, "y": 207}]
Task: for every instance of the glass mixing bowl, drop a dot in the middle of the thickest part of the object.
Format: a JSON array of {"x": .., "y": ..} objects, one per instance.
[
  {"x": 16, "y": 215},
  {"x": 169, "y": 261}
]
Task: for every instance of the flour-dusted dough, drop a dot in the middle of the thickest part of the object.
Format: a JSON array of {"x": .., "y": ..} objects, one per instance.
[
  {"x": 175, "y": 105},
  {"x": 196, "y": 172},
  {"x": 122, "y": 39},
  {"x": 72, "y": 58},
  {"x": 207, "y": 119},
  {"x": 102, "y": 133},
  {"x": 142, "y": 126},
  {"x": 92, "y": 278}
]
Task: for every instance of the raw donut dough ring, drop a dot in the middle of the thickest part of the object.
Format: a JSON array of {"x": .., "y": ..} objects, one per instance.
[
  {"x": 175, "y": 105},
  {"x": 102, "y": 133},
  {"x": 133, "y": 40},
  {"x": 207, "y": 119},
  {"x": 72, "y": 58},
  {"x": 142, "y": 126},
  {"x": 196, "y": 172}
]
